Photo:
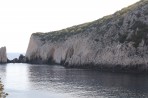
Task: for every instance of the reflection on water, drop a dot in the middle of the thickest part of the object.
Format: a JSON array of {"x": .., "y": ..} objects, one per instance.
[
  {"x": 44, "y": 81},
  {"x": 16, "y": 74}
]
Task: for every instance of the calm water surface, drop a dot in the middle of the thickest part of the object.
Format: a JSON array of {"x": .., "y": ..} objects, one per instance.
[{"x": 45, "y": 81}]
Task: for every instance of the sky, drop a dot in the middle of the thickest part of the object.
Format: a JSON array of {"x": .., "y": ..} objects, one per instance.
[{"x": 20, "y": 18}]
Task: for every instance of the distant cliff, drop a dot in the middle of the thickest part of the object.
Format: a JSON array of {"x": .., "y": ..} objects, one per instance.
[
  {"x": 3, "y": 55},
  {"x": 118, "y": 41}
]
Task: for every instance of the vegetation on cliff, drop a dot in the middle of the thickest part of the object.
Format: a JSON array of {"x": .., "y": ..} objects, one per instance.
[
  {"x": 119, "y": 15},
  {"x": 116, "y": 41}
]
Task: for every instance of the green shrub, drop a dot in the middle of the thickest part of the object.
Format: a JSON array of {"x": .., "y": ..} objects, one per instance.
[{"x": 2, "y": 93}]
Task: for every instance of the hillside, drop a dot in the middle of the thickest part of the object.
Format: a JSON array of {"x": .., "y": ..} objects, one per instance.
[{"x": 117, "y": 41}]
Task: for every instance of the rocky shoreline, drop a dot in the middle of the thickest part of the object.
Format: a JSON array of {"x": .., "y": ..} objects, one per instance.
[
  {"x": 117, "y": 42},
  {"x": 20, "y": 59},
  {"x": 100, "y": 67}
]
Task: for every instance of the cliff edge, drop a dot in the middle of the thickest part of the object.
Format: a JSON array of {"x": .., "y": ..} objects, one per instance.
[{"x": 117, "y": 41}]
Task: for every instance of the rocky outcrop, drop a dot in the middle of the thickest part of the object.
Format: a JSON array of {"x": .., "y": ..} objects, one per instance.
[
  {"x": 21, "y": 59},
  {"x": 3, "y": 55},
  {"x": 118, "y": 41}
]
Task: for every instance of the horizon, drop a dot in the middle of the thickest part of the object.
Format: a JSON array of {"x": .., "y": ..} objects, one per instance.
[{"x": 19, "y": 19}]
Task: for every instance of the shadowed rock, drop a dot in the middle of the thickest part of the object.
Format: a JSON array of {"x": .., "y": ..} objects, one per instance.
[{"x": 21, "y": 59}]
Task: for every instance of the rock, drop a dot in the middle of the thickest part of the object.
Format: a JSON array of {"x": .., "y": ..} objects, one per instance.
[
  {"x": 3, "y": 56},
  {"x": 21, "y": 59},
  {"x": 118, "y": 41},
  {"x": 15, "y": 60},
  {"x": 8, "y": 61}
]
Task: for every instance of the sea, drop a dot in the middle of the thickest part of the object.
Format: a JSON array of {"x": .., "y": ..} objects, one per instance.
[{"x": 54, "y": 81}]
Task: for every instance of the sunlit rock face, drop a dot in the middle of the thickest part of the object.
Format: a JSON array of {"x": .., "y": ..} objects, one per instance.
[
  {"x": 3, "y": 55},
  {"x": 116, "y": 41}
]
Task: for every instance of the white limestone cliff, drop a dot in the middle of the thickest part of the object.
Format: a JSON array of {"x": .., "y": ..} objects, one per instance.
[
  {"x": 3, "y": 55},
  {"x": 117, "y": 40}
]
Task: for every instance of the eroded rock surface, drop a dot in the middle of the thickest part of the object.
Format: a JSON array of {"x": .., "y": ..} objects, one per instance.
[
  {"x": 3, "y": 55},
  {"x": 115, "y": 41}
]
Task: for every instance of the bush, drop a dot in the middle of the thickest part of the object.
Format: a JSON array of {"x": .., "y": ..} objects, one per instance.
[{"x": 2, "y": 93}]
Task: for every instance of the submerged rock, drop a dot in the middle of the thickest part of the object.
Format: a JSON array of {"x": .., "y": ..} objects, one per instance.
[{"x": 118, "y": 41}]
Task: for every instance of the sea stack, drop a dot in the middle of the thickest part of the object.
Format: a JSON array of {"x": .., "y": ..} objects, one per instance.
[
  {"x": 117, "y": 42},
  {"x": 3, "y": 55}
]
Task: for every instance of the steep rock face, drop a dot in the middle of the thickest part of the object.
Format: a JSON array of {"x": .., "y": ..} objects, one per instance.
[
  {"x": 120, "y": 39},
  {"x": 3, "y": 55}
]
